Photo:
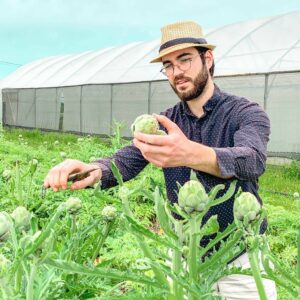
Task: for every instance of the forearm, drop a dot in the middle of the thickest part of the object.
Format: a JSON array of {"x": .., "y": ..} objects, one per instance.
[
  {"x": 204, "y": 159},
  {"x": 128, "y": 160}
]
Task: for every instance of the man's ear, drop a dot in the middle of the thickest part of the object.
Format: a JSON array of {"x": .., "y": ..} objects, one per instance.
[{"x": 209, "y": 58}]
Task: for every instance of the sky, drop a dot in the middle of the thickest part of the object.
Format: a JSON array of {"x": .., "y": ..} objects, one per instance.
[{"x": 33, "y": 29}]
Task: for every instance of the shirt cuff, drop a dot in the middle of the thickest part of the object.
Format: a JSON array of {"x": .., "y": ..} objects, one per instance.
[
  {"x": 107, "y": 179},
  {"x": 226, "y": 162}
]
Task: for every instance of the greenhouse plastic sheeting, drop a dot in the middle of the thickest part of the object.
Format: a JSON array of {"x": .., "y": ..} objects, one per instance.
[
  {"x": 128, "y": 102},
  {"x": 96, "y": 109},
  {"x": 72, "y": 108},
  {"x": 283, "y": 108},
  {"x": 26, "y": 108},
  {"x": 10, "y": 107},
  {"x": 47, "y": 109},
  {"x": 161, "y": 96},
  {"x": 250, "y": 87}
]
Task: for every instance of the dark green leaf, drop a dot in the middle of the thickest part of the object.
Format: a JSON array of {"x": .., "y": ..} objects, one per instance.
[{"x": 116, "y": 173}]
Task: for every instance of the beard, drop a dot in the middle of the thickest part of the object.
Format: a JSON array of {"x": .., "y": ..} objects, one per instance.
[{"x": 199, "y": 84}]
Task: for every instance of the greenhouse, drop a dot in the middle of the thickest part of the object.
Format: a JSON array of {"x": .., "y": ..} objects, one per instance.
[{"x": 88, "y": 92}]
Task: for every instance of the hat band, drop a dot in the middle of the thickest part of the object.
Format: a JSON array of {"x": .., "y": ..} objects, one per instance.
[{"x": 181, "y": 41}]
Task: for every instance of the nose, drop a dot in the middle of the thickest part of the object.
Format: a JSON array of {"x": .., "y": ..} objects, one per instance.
[{"x": 177, "y": 70}]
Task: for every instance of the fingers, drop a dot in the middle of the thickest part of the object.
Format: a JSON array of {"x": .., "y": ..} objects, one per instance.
[
  {"x": 149, "y": 148},
  {"x": 158, "y": 140},
  {"x": 57, "y": 177}
]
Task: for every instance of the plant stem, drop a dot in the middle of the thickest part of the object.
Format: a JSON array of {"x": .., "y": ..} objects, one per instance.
[
  {"x": 18, "y": 279},
  {"x": 30, "y": 186},
  {"x": 73, "y": 230},
  {"x": 19, "y": 184},
  {"x": 101, "y": 241},
  {"x": 177, "y": 263},
  {"x": 192, "y": 257},
  {"x": 253, "y": 258},
  {"x": 30, "y": 284}
]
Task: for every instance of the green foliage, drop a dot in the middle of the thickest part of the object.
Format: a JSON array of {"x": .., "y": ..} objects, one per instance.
[
  {"x": 293, "y": 171},
  {"x": 75, "y": 239}
]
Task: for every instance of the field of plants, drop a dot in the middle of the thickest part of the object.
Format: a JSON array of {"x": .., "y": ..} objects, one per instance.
[{"x": 124, "y": 242}]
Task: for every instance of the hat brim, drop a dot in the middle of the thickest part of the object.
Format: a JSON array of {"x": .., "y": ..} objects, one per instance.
[{"x": 180, "y": 47}]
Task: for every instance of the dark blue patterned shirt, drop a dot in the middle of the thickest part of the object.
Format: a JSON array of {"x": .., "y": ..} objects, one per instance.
[{"x": 237, "y": 129}]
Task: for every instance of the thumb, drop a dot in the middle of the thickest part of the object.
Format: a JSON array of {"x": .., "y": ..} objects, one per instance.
[{"x": 166, "y": 122}]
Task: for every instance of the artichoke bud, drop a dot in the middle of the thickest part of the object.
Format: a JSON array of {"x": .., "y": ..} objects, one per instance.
[
  {"x": 124, "y": 192},
  {"x": 21, "y": 217},
  {"x": 73, "y": 205},
  {"x": 246, "y": 208},
  {"x": 4, "y": 227},
  {"x": 109, "y": 213},
  {"x": 33, "y": 165},
  {"x": 296, "y": 195},
  {"x": 145, "y": 124},
  {"x": 6, "y": 174},
  {"x": 192, "y": 197}
]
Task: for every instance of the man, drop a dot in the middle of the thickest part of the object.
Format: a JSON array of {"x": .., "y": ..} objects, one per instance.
[{"x": 220, "y": 136}]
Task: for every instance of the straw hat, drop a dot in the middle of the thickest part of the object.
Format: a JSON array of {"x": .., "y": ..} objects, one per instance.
[{"x": 179, "y": 36}]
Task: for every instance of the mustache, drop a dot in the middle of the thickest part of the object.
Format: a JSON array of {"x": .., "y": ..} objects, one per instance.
[{"x": 180, "y": 77}]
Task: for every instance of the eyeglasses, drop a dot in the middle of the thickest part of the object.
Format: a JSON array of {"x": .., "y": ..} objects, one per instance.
[{"x": 183, "y": 64}]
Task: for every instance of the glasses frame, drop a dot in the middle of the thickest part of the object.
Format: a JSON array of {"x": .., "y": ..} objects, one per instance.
[{"x": 163, "y": 69}]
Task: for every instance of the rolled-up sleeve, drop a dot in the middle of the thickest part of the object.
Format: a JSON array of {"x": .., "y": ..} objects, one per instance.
[
  {"x": 129, "y": 161},
  {"x": 246, "y": 159}
]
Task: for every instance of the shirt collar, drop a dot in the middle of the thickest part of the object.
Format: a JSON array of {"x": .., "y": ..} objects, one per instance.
[{"x": 208, "y": 106}]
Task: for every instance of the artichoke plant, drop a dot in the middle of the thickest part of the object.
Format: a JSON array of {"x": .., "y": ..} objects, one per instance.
[
  {"x": 21, "y": 217},
  {"x": 145, "y": 124},
  {"x": 246, "y": 208},
  {"x": 192, "y": 197},
  {"x": 109, "y": 213},
  {"x": 4, "y": 227},
  {"x": 73, "y": 205}
]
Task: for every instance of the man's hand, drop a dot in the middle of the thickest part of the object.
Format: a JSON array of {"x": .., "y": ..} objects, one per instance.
[
  {"x": 171, "y": 150},
  {"x": 57, "y": 177}
]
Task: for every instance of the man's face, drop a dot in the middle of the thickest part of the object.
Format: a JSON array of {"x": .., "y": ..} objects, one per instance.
[{"x": 187, "y": 84}]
